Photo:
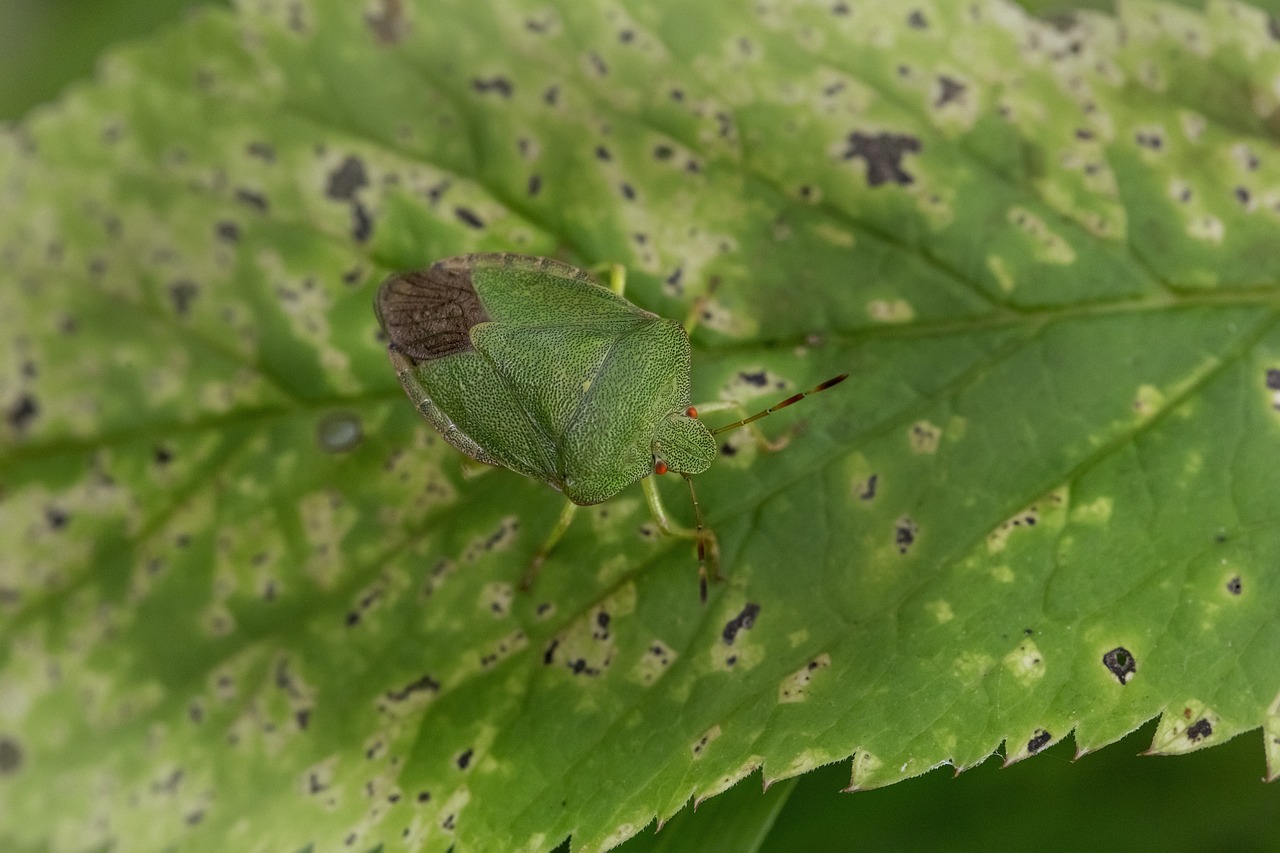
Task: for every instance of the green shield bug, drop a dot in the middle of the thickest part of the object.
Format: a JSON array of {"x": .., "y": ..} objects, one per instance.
[{"x": 527, "y": 363}]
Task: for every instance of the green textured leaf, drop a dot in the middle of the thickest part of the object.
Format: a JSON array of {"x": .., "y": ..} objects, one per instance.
[{"x": 249, "y": 599}]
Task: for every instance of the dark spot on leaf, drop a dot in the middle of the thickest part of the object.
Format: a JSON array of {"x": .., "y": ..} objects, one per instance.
[
  {"x": 22, "y": 412},
  {"x": 677, "y": 94},
  {"x": 182, "y": 293},
  {"x": 757, "y": 379},
  {"x": 303, "y": 718},
  {"x": 840, "y": 8},
  {"x": 1150, "y": 140},
  {"x": 10, "y": 756},
  {"x": 916, "y": 20},
  {"x": 869, "y": 488},
  {"x": 535, "y": 184},
  {"x": 468, "y": 217},
  {"x": 448, "y": 821},
  {"x": 1199, "y": 730},
  {"x": 663, "y": 152},
  {"x": 598, "y": 64},
  {"x": 549, "y": 655},
  {"x": 742, "y": 622},
  {"x": 315, "y": 784},
  {"x": 195, "y": 713},
  {"x": 603, "y": 154},
  {"x": 628, "y": 192},
  {"x": 1273, "y": 26},
  {"x": 464, "y": 759},
  {"x": 806, "y": 192},
  {"x": 904, "y": 534},
  {"x": 551, "y": 96},
  {"x": 626, "y": 36},
  {"x": 1084, "y": 134},
  {"x": 261, "y": 150},
  {"x": 194, "y": 817},
  {"x": 1273, "y": 378},
  {"x": 346, "y": 180},
  {"x": 1242, "y": 195},
  {"x": 352, "y": 276},
  {"x": 728, "y": 449},
  {"x": 1234, "y": 586},
  {"x": 353, "y": 618},
  {"x": 1038, "y": 741},
  {"x": 361, "y": 223},
  {"x": 500, "y": 85},
  {"x": 426, "y": 683},
  {"x": 423, "y": 796},
  {"x": 57, "y": 518},
  {"x": 883, "y": 154},
  {"x": 951, "y": 91},
  {"x": 227, "y": 230},
  {"x": 252, "y": 198},
  {"x": 1121, "y": 663}
]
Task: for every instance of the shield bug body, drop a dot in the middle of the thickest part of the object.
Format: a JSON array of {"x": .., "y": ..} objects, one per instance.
[{"x": 527, "y": 363}]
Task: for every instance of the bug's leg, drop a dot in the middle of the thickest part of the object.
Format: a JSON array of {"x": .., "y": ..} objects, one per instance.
[
  {"x": 614, "y": 274},
  {"x": 762, "y": 441},
  {"x": 472, "y": 468},
  {"x": 566, "y": 518},
  {"x": 708, "y": 545},
  {"x": 698, "y": 310}
]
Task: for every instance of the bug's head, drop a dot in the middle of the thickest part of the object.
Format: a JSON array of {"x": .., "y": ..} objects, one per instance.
[{"x": 683, "y": 445}]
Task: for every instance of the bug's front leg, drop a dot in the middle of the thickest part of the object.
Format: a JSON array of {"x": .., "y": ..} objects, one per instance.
[
  {"x": 708, "y": 545},
  {"x": 566, "y": 518}
]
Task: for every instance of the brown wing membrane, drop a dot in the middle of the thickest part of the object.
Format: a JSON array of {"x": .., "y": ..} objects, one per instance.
[{"x": 427, "y": 314}]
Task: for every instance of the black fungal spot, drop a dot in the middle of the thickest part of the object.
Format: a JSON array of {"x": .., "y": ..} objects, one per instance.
[
  {"x": 598, "y": 64},
  {"x": 1152, "y": 141},
  {"x": 57, "y": 518},
  {"x": 10, "y": 756},
  {"x": 254, "y": 199},
  {"x": 1242, "y": 195},
  {"x": 1199, "y": 730},
  {"x": 758, "y": 379},
  {"x": 261, "y": 150},
  {"x": 603, "y": 154},
  {"x": 182, "y": 293},
  {"x": 1039, "y": 741},
  {"x": 840, "y": 9},
  {"x": 468, "y": 217},
  {"x": 1234, "y": 586},
  {"x": 353, "y": 618},
  {"x": 22, "y": 412},
  {"x": 535, "y": 184},
  {"x": 228, "y": 231},
  {"x": 1273, "y": 378},
  {"x": 303, "y": 718},
  {"x": 904, "y": 534},
  {"x": 423, "y": 796},
  {"x": 1084, "y": 134},
  {"x": 347, "y": 179},
  {"x": 883, "y": 154},
  {"x": 426, "y": 683},
  {"x": 361, "y": 223},
  {"x": 449, "y": 821},
  {"x": 1121, "y": 663},
  {"x": 552, "y": 96},
  {"x": 194, "y": 817},
  {"x": 628, "y": 192},
  {"x": 917, "y": 21},
  {"x": 464, "y": 759},
  {"x": 548, "y": 656},
  {"x": 742, "y": 622},
  {"x": 869, "y": 489},
  {"x": 499, "y": 85},
  {"x": 663, "y": 152},
  {"x": 952, "y": 90}
]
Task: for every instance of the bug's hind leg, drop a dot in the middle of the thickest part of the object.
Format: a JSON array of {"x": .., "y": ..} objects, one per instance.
[
  {"x": 708, "y": 545},
  {"x": 566, "y": 518}
]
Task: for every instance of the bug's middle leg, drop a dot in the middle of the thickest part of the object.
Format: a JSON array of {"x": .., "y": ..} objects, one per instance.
[
  {"x": 566, "y": 518},
  {"x": 708, "y": 545}
]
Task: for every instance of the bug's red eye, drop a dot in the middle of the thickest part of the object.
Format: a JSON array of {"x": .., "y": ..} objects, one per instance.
[
  {"x": 691, "y": 412},
  {"x": 659, "y": 467}
]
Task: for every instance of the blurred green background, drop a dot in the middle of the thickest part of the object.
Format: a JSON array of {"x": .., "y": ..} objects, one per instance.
[{"x": 1209, "y": 801}]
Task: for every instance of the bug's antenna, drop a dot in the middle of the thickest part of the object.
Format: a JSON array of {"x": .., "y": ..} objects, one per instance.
[
  {"x": 794, "y": 398},
  {"x": 702, "y": 542}
]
